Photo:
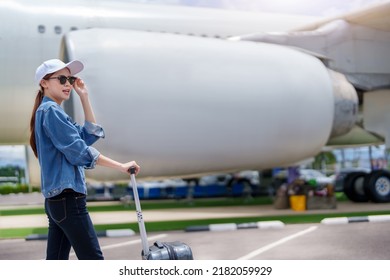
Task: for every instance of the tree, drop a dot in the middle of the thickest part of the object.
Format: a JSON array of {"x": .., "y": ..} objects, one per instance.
[{"x": 323, "y": 159}]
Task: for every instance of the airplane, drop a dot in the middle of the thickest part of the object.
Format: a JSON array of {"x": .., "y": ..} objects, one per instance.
[{"x": 192, "y": 91}]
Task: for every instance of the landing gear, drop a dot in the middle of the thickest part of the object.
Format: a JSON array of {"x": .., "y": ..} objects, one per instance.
[
  {"x": 354, "y": 187},
  {"x": 377, "y": 186},
  {"x": 363, "y": 187}
]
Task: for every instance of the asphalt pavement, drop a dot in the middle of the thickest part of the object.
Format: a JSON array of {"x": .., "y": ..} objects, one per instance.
[{"x": 321, "y": 241}]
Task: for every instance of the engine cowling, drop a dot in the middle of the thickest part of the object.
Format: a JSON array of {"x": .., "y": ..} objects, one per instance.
[{"x": 183, "y": 105}]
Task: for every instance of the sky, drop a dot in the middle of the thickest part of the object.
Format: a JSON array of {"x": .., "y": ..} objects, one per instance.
[
  {"x": 12, "y": 155},
  {"x": 323, "y": 8}
]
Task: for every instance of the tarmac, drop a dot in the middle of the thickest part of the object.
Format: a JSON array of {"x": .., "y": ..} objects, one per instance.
[{"x": 17, "y": 201}]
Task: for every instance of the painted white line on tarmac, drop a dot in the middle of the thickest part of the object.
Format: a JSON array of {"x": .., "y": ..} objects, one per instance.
[
  {"x": 127, "y": 243},
  {"x": 277, "y": 243}
]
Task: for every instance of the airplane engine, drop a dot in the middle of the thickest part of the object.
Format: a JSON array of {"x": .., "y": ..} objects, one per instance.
[{"x": 182, "y": 105}]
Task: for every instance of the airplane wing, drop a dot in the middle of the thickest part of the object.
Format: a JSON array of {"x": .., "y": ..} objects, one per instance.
[
  {"x": 355, "y": 44},
  {"x": 375, "y": 17}
]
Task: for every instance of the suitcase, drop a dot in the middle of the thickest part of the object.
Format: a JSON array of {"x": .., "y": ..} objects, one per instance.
[{"x": 159, "y": 250}]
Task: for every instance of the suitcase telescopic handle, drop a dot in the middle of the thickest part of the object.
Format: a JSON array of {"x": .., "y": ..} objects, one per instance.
[{"x": 140, "y": 218}]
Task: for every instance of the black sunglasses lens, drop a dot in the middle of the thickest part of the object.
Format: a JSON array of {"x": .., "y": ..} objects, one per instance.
[
  {"x": 72, "y": 80},
  {"x": 62, "y": 80}
]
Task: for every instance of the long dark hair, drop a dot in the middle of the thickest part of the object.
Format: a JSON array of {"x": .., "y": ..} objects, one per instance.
[{"x": 38, "y": 101}]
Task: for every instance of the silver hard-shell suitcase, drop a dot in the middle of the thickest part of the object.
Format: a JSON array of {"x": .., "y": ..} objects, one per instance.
[
  {"x": 159, "y": 250},
  {"x": 169, "y": 251}
]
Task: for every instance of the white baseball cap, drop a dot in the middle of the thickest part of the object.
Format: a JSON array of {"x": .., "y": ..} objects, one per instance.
[{"x": 54, "y": 65}]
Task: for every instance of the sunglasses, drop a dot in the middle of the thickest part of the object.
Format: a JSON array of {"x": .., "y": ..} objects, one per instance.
[{"x": 63, "y": 79}]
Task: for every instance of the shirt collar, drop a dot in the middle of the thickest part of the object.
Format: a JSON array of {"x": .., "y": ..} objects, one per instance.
[{"x": 47, "y": 99}]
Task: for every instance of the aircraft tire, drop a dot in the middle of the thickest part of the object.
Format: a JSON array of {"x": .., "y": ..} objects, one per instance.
[
  {"x": 377, "y": 186},
  {"x": 354, "y": 187}
]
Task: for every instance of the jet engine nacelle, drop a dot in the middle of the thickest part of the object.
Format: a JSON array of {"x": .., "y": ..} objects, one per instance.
[{"x": 182, "y": 105}]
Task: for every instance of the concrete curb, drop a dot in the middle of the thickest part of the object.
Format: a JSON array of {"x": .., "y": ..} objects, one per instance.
[
  {"x": 347, "y": 220},
  {"x": 116, "y": 233},
  {"x": 36, "y": 237},
  {"x": 232, "y": 226},
  {"x": 105, "y": 233}
]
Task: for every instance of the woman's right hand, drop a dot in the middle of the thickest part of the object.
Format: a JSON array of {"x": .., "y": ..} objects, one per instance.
[
  {"x": 126, "y": 166},
  {"x": 123, "y": 167}
]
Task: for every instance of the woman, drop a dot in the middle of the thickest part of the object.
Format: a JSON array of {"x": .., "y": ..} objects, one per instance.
[{"x": 63, "y": 149}]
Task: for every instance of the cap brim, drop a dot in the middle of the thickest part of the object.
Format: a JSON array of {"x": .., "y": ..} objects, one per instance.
[{"x": 75, "y": 67}]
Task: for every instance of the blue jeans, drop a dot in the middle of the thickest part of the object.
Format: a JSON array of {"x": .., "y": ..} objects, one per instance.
[{"x": 70, "y": 226}]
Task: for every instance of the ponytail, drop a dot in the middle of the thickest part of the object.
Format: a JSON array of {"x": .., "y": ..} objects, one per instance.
[{"x": 38, "y": 100}]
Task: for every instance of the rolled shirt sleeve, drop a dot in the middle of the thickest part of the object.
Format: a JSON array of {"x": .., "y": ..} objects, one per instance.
[
  {"x": 95, "y": 155},
  {"x": 94, "y": 129},
  {"x": 72, "y": 140},
  {"x": 90, "y": 132}
]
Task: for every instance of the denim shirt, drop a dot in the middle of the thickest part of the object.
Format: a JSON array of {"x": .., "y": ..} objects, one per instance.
[{"x": 64, "y": 149}]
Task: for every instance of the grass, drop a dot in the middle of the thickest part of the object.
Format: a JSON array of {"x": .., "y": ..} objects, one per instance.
[
  {"x": 153, "y": 205},
  {"x": 182, "y": 225}
]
